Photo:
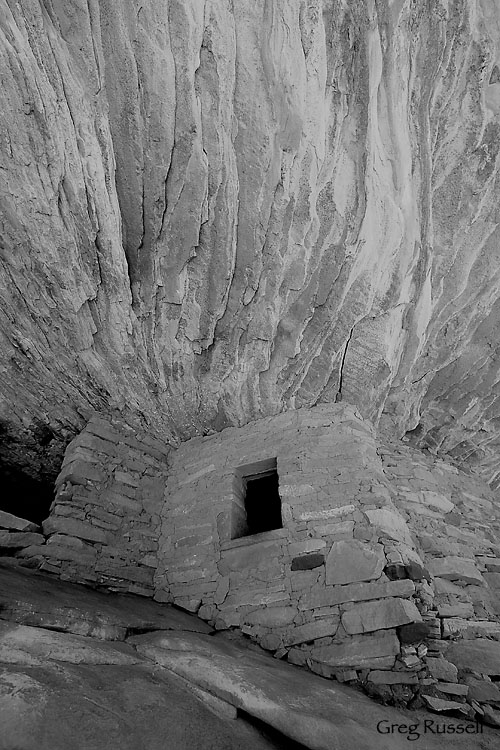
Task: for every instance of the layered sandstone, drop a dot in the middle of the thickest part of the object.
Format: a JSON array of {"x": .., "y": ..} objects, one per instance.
[{"x": 214, "y": 211}]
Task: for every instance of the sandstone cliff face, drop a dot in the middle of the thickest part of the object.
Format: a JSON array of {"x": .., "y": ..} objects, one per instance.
[{"x": 214, "y": 210}]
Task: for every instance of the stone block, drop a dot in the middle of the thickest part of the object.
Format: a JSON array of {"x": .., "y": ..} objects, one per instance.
[
  {"x": 324, "y": 515},
  {"x": 271, "y": 617},
  {"x": 386, "y": 677},
  {"x": 439, "y": 705},
  {"x": 270, "y": 641},
  {"x": 84, "y": 556},
  {"x": 442, "y": 586},
  {"x": 391, "y": 523},
  {"x": 308, "y": 562},
  {"x": 326, "y": 596},
  {"x": 138, "y": 590},
  {"x": 81, "y": 454},
  {"x": 346, "y": 675},
  {"x": 297, "y": 490},
  {"x": 379, "y": 615},
  {"x": 437, "y": 501},
  {"x": 304, "y": 579},
  {"x": 152, "y": 490},
  {"x": 255, "y": 598},
  {"x": 73, "y": 527},
  {"x": 119, "y": 500},
  {"x": 67, "y": 541},
  {"x": 126, "y": 478},
  {"x": 308, "y": 545},
  {"x": 104, "y": 429},
  {"x": 343, "y": 529},
  {"x": 452, "y": 688},
  {"x": 137, "y": 574},
  {"x": 94, "y": 443},
  {"x": 414, "y": 632},
  {"x": 353, "y": 561},
  {"x": 493, "y": 581},
  {"x": 492, "y": 564},
  {"x": 481, "y": 690},
  {"x": 80, "y": 472},
  {"x": 311, "y": 631},
  {"x": 297, "y": 656},
  {"x": 125, "y": 489},
  {"x": 8, "y": 521},
  {"x": 453, "y": 608},
  {"x": 187, "y": 576},
  {"x": 442, "y": 669},
  {"x": 19, "y": 539},
  {"x": 377, "y": 651},
  {"x": 249, "y": 557},
  {"x": 480, "y": 655},
  {"x": 456, "y": 569},
  {"x": 453, "y": 626},
  {"x": 491, "y": 717},
  {"x": 482, "y": 628}
]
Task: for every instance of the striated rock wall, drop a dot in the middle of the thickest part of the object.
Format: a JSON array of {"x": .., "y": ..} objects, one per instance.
[{"x": 214, "y": 211}]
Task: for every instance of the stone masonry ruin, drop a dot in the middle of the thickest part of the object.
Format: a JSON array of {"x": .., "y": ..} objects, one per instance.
[{"x": 380, "y": 567}]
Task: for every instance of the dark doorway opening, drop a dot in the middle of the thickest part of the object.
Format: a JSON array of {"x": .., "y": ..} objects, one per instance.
[
  {"x": 25, "y": 497},
  {"x": 262, "y": 502},
  {"x": 256, "y": 505},
  {"x": 30, "y": 461}
]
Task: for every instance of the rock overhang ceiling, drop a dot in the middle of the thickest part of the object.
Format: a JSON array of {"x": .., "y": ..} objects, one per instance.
[{"x": 215, "y": 210}]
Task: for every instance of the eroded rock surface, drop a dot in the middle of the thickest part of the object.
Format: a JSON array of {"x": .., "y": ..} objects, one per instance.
[{"x": 214, "y": 211}]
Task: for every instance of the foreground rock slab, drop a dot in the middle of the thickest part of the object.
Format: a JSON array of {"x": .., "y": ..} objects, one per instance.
[
  {"x": 31, "y": 598},
  {"x": 321, "y": 715},
  {"x": 20, "y": 644},
  {"x": 83, "y": 707}
]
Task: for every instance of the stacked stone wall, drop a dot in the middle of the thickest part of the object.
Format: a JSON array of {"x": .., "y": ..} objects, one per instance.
[
  {"x": 385, "y": 573},
  {"x": 387, "y": 558},
  {"x": 455, "y": 521},
  {"x": 315, "y": 590},
  {"x": 103, "y": 525}
]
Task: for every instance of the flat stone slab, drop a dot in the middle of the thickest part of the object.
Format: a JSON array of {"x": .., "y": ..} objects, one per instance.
[
  {"x": 9, "y": 521},
  {"x": 456, "y": 569},
  {"x": 271, "y": 617},
  {"x": 391, "y": 523},
  {"x": 114, "y": 708},
  {"x": 329, "y": 596},
  {"x": 312, "y": 630},
  {"x": 441, "y": 705},
  {"x": 30, "y": 598},
  {"x": 386, "y": 677},
  {"x": 482, "y": 691},
  {"x": 480, "y": 655},
  {"x": 352, "y": 561},
  {"x": 442, "y": 669},
  {"x": 321, "y": 715},
  {"x": 379, "y": 615},
  {"x": 378, "y": 651},
  {"x": 492, "y": 564},
  {"x": 20, "y": 644},
  {"x": 18, "y": 539}
]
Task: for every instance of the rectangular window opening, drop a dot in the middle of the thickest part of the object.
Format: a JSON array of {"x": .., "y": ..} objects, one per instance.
[{"x": 257, "y": 504}]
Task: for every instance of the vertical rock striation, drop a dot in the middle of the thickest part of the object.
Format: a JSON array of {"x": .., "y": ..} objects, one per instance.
[{"x": 215, "y": 210}]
